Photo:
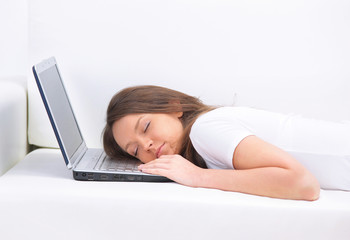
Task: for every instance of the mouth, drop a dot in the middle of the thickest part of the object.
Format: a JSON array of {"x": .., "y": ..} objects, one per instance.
[{"x": 159, "y": 151}]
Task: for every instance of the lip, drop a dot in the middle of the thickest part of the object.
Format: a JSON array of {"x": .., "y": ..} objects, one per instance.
[{"x": 158, "y": 153}]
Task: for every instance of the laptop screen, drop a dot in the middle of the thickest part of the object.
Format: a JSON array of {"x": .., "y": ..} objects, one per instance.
[{"x": 61, "y": 111}]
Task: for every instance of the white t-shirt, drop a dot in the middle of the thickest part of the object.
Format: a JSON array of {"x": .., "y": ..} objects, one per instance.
[{"x": 322, "y": 147}]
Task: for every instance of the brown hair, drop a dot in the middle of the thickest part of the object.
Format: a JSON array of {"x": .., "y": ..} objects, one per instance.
[{"x": 154, "y": 99}]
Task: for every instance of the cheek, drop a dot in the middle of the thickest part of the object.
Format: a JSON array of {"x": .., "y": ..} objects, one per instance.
[
  {"x": 145, "y": 158},
  {"x": 121, "y": 136}
]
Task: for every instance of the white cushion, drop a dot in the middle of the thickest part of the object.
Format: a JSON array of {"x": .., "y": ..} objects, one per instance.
[
  {"x": 42, "y": 198},
  {"x": 13, "y": 124}
]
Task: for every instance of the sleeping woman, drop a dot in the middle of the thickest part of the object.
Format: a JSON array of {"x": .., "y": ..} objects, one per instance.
[{"x": 236, "y": 149}]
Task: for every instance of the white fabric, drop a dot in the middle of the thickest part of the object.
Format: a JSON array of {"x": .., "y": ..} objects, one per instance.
[
  {"x": 40, "y": 200},
  {"x": 322, "y": 147},
  {"x": 13, "y": 124}
]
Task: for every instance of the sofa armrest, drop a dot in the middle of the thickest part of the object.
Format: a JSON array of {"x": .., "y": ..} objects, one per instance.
[{"x": 13, "y": 124}]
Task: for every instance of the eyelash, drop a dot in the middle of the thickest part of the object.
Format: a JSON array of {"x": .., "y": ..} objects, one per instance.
[{"x": 146, "y": 127}]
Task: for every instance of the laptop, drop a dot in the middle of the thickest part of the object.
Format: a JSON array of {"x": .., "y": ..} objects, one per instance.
[{"x": 85, "y": 163}]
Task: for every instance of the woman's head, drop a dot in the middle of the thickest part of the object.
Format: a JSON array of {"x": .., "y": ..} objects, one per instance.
[
  {"x": 135, "y": 112},
  {"x": 147, "y": 136}
]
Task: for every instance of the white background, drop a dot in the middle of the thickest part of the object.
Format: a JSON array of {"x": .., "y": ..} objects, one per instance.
[
  {"x": 285, "y": 56},
  {"x": 13, "y": 39}
]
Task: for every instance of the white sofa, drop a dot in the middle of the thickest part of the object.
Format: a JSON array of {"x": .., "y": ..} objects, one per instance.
[
  {"x": 40, "y": 200},
  {"x": 13, "y": 124},
  {"x": 284, "y": 57}
]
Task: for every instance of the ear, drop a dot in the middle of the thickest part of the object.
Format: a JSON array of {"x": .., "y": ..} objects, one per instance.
[
  {"x": 179, "y": 114},
  {"x": 177, "y": 102}
]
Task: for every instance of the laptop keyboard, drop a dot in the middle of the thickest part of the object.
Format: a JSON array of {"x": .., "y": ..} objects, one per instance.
[{"x": 109, "y": 164}]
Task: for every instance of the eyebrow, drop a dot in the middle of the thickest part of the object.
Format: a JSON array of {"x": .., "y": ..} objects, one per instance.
[{"x": 136, "y": 127}]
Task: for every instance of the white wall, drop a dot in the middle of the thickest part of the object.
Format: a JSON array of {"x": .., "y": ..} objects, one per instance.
[
  {"x": 285, "y": 56},
  {"x": 13, "y": 40}
]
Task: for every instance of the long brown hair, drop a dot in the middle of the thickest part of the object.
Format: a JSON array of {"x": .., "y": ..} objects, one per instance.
[{"x": 154, "y": 99}]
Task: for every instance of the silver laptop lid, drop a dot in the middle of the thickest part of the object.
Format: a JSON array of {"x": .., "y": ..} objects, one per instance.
[{"x": 59, "y": 110}]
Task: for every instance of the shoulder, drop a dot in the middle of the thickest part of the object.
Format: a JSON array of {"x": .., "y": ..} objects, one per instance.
[
  {"x": 256, "y": 120},
  {"x": 216, "y": 134},
  {"x": 211, "y": 119},
  {"x": 221, "y": 115},
  {"x": 221, "y": 112},
  {"x": 218, "y": 121}
]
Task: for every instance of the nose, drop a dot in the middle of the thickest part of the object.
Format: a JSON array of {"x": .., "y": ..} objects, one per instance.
[{"x": 147, "y": 145}]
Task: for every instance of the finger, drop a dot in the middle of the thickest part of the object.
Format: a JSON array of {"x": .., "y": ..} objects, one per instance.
[
  {"x": 155, "y": 165},
  {"x": 155, "y": 171},
  {"x": 157, "y": 160},
  {"x": 167, "y": 156}
]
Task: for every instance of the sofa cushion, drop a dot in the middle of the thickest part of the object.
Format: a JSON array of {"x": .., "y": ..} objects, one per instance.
[
  {"x": 42, "y": 198},
  {"x": 13, "y": 124}
]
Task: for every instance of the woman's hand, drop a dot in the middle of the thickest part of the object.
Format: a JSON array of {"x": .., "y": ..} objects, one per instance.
[{"x": 174, "y": 167}]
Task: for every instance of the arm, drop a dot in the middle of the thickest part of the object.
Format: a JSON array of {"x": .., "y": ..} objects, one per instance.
[{"x": 261, "y": 169}]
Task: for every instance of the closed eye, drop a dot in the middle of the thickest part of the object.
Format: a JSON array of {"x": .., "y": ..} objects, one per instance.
[
  {"x": 136, "y": 150},
  {"x": 145, "y": 129},
  {"x": 147, "y": 125}
]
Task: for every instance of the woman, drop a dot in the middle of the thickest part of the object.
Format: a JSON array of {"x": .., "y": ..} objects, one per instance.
[{"x": 229, "y": 148}]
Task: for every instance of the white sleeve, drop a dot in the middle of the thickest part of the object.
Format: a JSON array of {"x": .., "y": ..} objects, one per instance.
[{"x": 215, "y": 136}]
